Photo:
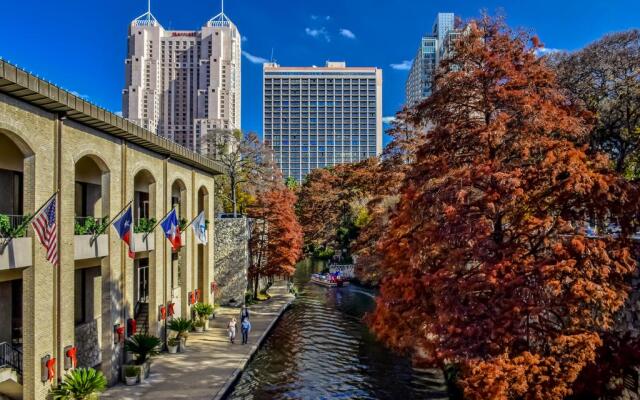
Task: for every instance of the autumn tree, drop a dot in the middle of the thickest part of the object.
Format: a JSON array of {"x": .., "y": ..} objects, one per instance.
[
  {"x": 249, "y": 166},
  {"x": 486, "y": 262},
  {"x": 333, "y": 202},
  {"x": 604, "y": 77},
  {"x": 276, "y": 240}
]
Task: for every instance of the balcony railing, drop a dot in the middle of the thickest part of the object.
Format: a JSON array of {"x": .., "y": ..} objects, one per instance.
[
  {"x": 13, "y": 225},
  {"x": 10, "y": 357}
]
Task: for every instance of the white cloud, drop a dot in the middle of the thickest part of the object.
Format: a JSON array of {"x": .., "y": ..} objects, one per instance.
[
  {"x": 347, "y": 33},
  {"x": 320, "y": 33},
  {"x": 543, "y": 51},
  {"x": 317, "y": 17},
  {"x": 403, "y": 66},
  {"x": 82, "y": 96},
  {"x": 254, "y": 59},
  {"x": 118, "y": 113},
  {"x": 388, "y": 120},
  {"x": 244, "y": 38}
]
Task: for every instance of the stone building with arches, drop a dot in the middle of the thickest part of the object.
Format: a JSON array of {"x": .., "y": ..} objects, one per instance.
[{"x": 53, "y": 141}]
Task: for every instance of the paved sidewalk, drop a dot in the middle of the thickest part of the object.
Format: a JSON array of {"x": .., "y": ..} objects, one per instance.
[{"x": 210, "y": 364}]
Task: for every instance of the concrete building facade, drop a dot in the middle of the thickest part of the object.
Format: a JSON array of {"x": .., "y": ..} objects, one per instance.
[
  {"x": 315, "y": 117},
  {"x": 433, "y": 48},
  {"x": 51, "y": 140},
  {"x": 184, "y": 85}
]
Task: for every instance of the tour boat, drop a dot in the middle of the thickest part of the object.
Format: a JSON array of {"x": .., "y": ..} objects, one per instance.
[{"x": 328, "y": 280}]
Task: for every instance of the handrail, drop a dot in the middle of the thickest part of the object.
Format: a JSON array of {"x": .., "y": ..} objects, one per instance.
[{"x": 10, "y": 356}]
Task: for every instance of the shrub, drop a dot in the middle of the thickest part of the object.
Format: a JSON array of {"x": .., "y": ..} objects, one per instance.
[
  {"x": 181, "y": 326},
  {"x": 144, "y": 225},
  {"x": 80, "y": 384},
  {"x": 143, "y": 346},
  {"x": 131, "y": 370}
]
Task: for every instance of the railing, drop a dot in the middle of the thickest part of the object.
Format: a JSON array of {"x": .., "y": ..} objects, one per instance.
[
  {"x": 10, "y": 357},
  {"x": 10, "y": 224}
]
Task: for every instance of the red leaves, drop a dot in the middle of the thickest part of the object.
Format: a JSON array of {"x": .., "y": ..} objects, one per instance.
[{"x": 483, "y": 263}]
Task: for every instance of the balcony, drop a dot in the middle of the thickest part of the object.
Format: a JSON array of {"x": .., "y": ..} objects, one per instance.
[
  {"x": 16, "y": 250},
  {"x": 91, "y": 239}
]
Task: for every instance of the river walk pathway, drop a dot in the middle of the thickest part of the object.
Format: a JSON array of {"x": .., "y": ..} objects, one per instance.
[{"x": 210, "y": 364}]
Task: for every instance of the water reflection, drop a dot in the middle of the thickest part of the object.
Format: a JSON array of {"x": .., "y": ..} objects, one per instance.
[{"x": 321, "y": 350}]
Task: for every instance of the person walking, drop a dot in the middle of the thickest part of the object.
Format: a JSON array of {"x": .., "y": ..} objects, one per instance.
[
  {"x": 231, "y": 329},
  {"x": 244, "y": 313},
  {"x": 246, "y": 327}
]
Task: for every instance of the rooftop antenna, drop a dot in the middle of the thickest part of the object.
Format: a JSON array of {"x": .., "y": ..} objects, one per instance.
[
  {"x": 272, "y": 54},
  {"x": 220, "y": 20},
  {"x": 146, "y": 19}
]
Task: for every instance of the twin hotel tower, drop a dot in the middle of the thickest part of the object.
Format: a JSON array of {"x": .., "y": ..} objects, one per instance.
[{"x": 104, "y": 220}]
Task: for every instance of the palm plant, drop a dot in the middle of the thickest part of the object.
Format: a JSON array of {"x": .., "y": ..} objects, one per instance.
[
  {"x": 182, "y": 326},
  {"x": 143, "y": 346},
  {"x": 80, "y": 384},
  {"x": 203, "y": 311}
]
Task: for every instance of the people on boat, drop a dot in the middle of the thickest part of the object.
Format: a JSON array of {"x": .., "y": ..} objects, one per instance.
[{"x": 231, "y": 329}]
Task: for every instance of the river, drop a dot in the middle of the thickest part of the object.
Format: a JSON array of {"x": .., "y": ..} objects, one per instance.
[{"x": 320, "y": 349}]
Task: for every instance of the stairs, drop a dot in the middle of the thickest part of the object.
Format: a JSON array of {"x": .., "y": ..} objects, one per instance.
[{"x": 142, "y": 318}]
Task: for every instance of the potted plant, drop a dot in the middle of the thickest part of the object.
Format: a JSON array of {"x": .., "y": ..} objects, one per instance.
[
  {"x": 81, "y": 384},
  {"x": 198, "y": 325},
  {"x": 131, "y": 374},
  {"x": 203, "y": 311},
  {"x": 172, "y": 345},
  {"x": 143, "y": 346},
  {"x": 182, "y": 327}
]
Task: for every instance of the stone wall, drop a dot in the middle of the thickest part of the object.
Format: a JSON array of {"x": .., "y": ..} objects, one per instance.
[
  {"x": 88, "y": 344},
  {"x": 231, "y": 259}
]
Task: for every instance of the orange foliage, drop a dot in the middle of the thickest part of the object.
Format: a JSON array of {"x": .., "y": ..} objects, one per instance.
[{"x": 485, "y": 262}]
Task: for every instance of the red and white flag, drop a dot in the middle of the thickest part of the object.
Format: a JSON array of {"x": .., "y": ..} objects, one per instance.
[{"x": 44, "y": 223}]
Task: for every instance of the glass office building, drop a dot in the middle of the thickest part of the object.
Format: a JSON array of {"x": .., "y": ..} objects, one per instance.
[
  {"x": 433, "y": 48},
  {"x": 315, "y": 117}
]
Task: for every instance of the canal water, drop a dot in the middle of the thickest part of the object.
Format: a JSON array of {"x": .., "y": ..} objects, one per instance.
[{"x": 320, "y": 349}]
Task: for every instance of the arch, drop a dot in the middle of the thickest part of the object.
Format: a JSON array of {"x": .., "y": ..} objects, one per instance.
[
  {"x": 179, "y": 197},
  {"x": 92, "y": 179},
  {"x": 17, "y": 139},
  {"x": 144, "y": 188}
]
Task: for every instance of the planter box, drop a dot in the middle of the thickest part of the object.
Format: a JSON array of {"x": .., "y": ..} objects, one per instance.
[
  {"x": 17, "y": 254},
  {"x": 143, "y": 245},
  {"x": 85, "y": 247}
]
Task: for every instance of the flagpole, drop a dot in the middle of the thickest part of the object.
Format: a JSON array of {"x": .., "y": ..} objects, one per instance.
[
  {"x": 25, "y": 223},
  {"x": 189, "y": 224},
  {"x": 107, "y": 224},
  {"x": 157, "y": 223}
]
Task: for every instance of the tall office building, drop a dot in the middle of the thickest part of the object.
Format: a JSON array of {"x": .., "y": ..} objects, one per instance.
[
  {"x": 183, "y": 85},
  {"x": 321, "y": 116},
  {"x": 433, "y": 48}
]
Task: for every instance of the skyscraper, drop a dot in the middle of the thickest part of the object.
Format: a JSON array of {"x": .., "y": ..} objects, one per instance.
[
  {"x": 321, "y": 116},
  {"x": 184, "y": 85},
  {"x": 433, "y": 48}
]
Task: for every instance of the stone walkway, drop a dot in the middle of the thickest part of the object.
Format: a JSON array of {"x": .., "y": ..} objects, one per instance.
[{"x": 210, "y": 365}]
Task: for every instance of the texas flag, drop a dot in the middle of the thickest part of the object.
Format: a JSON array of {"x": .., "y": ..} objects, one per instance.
[
  {"x": 171, "y": 228},
  {"x": 124, "y": 226}
]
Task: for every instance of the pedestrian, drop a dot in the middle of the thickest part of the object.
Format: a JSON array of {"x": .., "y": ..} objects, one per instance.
[
  {"x": 244, "y": 313},
  {"x": 246, "y": 327},
  {"x": 231, "y": 328}
]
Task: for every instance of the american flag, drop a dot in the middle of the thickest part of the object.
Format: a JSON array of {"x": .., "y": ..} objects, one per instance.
[{"x": 45, "y": 226}]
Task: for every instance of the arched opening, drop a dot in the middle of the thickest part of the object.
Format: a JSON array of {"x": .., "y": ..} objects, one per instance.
[
  {"x": 91, "y": 194},
  {"x": 179, "y": 202},
  {"x": 203, "y": 283},
  {"x": 144, "y": 215},
  {"x": 91, "y": 205},
  {"x": 16, "y": 170}
]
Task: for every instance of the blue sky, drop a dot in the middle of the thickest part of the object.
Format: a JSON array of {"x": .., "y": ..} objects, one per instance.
[{"x": 81, "y": 45}]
